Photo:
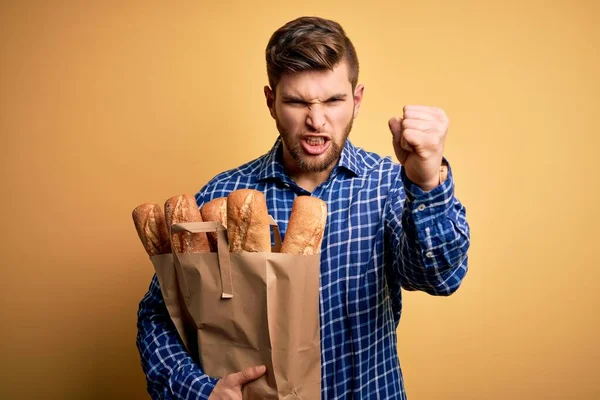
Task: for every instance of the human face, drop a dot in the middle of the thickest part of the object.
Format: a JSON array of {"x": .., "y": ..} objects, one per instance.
[{"x": 314, "y": 112}]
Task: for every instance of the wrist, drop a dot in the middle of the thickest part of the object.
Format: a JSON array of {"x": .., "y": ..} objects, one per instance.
[{"x": 436, "y": 180}]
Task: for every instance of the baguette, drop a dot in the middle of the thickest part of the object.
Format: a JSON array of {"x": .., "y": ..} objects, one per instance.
[
  {"x": 180, "y": 209},
  {"x": 149, "y": 221},
  {"x": 215, "y": 210},
  {"x": 306, "y": 226},
  {"x": 248, "y": 224}
]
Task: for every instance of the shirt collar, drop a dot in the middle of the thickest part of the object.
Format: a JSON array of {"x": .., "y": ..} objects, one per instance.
[
  {"x": 272, "y": 164},
  {"x": 349, "y": 159}
]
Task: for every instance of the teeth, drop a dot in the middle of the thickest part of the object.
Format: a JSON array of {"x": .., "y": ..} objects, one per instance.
[{"x": 315, "y": 141}]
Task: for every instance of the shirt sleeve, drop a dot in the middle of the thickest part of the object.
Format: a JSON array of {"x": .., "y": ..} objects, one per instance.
[
  {"x": 429, "y": 237},
  {"x": 170, "y": 371}
]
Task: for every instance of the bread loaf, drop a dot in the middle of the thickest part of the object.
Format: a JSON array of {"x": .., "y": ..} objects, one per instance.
[
  {"x": 306, "y": 226},
  {"x": 180, "y": 209},
  {"x": 248, "y": 227},
  {"x": 215, "y": 210},
  {"x": 149, "y": 221}
]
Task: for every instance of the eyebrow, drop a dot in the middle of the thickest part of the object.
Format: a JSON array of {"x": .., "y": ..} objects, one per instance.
[{"x": 289, "y": 97}]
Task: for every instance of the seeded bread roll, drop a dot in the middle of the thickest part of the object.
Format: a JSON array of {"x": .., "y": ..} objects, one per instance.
[
  {"x": 215, "y": 210},
  {"x": 248, "y": 227},
  {"x": 149, "y": 221},
  {"x": 306, "y": 226},
  {"x": 180, "y": 209}
]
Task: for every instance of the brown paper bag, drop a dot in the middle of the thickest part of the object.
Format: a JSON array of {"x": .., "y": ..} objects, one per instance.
[
  {"x": 169, "y": 287},
  {"x": 252, "y": 309}
]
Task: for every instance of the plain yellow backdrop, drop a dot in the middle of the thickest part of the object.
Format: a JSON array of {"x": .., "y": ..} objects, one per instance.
[{"x": 105, "y": 105}]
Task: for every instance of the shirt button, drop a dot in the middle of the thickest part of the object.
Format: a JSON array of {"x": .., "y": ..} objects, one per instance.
[
  {"x": 421, "y": 207},
  {"x": 429, "y": 254}
]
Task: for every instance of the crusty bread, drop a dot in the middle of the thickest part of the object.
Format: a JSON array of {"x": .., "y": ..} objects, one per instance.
[
  {"x": 149, "y": 221},
  {"x": 183, "y": 208},
  {"x": 306, "y": 226},
  {"x": 215, "y": 210},
  {"x": 248, "y": 227}
]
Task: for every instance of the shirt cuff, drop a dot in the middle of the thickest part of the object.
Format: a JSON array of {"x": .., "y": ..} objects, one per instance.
[
  {"x": 427, "y": 207},
  {"x": 414, "y": 192},
  {"x": 190, "y": 383}
]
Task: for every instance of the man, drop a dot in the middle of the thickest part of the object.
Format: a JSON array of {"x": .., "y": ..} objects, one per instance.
[{"x": 389, "y": 227}]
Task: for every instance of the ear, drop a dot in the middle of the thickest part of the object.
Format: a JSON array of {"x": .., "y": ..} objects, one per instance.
[
  {"x": 358, "y": 95},
  {"x": 270, "y": 97}
]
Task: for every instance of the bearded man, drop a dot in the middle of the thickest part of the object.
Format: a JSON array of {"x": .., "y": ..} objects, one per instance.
[{"x": 391, "y": 226}]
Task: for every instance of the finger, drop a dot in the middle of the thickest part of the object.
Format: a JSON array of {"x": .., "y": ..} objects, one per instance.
[
  {"x": 434, "y": 111},
  {"x": 395, "y": 125},
  {"x": 415, "y": 138},
  {"x": 245, "y": 376},
  {"x": 401, "y": 148},
  {"x": 419, "y": 124},
  {"x": 396, "y": 128},
  {"x": 405, "y": 146},
  {"x": 421, "y": 115}
]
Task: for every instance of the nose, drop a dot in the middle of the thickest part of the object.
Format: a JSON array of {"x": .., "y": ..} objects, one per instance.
[{"x": 316, "y": 119}]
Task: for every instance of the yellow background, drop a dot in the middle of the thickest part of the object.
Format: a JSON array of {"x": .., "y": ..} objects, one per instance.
[{"x": 107, "y": 105}]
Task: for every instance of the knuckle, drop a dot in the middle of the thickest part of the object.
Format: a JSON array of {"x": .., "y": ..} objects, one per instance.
[{"x": 442, "y": 116}]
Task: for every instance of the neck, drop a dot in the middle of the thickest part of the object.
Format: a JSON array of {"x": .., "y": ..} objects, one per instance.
[{"x": 306, "y": 180}]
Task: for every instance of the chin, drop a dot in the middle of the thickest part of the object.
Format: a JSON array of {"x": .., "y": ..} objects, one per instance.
[
  {"x": 320, "y": 163},
  {"x": 312, "y": 163}
]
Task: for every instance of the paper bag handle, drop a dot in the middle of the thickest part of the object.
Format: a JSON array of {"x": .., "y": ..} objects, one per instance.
[
  {"x": 222, "y": 248},
  {"x": 213, "y": 226},
  {"x": 223, "y": 251}
]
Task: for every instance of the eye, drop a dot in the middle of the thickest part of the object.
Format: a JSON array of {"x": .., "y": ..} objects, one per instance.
[{"x": 295, "y": 102}]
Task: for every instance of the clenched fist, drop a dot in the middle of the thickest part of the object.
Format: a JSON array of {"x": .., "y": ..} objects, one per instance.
[
  {"x": 418, "y": 139},
  {"x": 230, "y": 387}
]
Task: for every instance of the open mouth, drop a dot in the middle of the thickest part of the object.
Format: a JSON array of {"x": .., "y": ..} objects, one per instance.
[{"x": 315, "y": 145}]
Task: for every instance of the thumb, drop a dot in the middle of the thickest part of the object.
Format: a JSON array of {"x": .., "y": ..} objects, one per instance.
[
  {"x": 401, "y": 147},
  {"x": 246, "y": 375},
  {"x": 395, "y": 124}
]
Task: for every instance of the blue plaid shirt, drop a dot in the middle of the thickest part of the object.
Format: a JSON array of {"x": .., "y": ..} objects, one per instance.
[{"x": 383, "y": 233}]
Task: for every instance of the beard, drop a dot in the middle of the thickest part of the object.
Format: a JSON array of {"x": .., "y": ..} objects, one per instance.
[{"x": 308, "y": 163}]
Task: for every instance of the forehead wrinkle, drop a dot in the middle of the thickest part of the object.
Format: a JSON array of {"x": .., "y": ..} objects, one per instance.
[
  {"x": 308, "y": 96},
  {"x": 316, "y": 86}
]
